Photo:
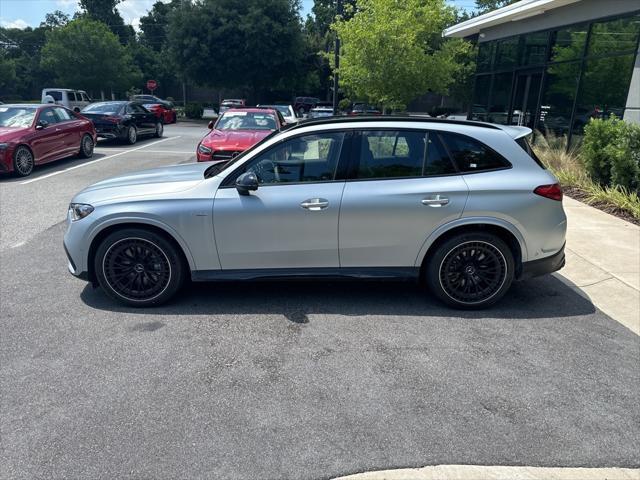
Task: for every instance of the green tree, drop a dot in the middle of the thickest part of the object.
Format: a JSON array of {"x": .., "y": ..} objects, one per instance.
[
  {"x": 55, "y": 20},
  {"x": 7, "y": 73},
  {"x": 393, "y": 51},
  {"x": 102, "y": 64},
  {"x": 256, "y": 44},
  {"x": 105, "y": 11},
  {"x": 484, "y": 6},
  {"x": 154, "y": 25}
]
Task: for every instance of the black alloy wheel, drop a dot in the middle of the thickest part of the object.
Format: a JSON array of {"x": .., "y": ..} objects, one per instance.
[
  {"x": 471, "y": 271},
  {"x": 86, "y": 146},
  {"x": 138, "y": 267}
]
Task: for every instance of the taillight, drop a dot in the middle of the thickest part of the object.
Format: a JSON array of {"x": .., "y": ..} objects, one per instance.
[
  {"x": 112, "y": 119},
  {"x": 554, "y": 192}
]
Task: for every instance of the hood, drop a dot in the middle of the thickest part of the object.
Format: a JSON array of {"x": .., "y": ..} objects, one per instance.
[
  {"x": 8, "y": 134},
  {"x": 234, "y": 139},
  {"x": 158, "y": 181}
]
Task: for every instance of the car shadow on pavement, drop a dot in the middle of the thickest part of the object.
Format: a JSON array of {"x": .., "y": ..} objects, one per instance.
[
  {"x": 545, "y": 297},
  {"x": 48, "y": 168}
]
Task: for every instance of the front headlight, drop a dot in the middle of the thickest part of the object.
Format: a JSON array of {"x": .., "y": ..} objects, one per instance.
[
  {"x": 79, "y": 210},
  {"x": 204, "y": 150}
]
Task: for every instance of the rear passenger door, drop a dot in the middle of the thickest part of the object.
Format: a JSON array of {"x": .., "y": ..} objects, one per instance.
[
  {"x": 68, "y": 126},
  {"x": 401, "y": 186}
]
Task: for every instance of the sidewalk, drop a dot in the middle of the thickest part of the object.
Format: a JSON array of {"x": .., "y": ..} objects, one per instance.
[{"x": 603, "y": 262}]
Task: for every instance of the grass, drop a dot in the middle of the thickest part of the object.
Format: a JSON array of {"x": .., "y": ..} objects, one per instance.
[{"x": 566, "y": 165}]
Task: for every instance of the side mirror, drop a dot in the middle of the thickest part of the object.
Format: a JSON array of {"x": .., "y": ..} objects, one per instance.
[
  {"x": 210, "y": 125},
  {"x": 246, "y": 182},
  {"x": 41, "y": 124}
]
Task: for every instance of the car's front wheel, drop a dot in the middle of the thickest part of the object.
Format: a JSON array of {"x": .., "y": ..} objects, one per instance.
[
  {"x": 139, "y": 267},
  {"x": 471, "y": 270},
  {"x": 23, "y": 161}
]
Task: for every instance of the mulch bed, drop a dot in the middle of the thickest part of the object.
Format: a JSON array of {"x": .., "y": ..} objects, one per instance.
[{"x": 581, "y": 196}]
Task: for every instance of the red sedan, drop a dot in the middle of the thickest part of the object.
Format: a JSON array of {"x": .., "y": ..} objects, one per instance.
[
  {"x": 35, "y": 134},
  {"x": 163, "y": 112},
  {"x": 236, "y": 130}
]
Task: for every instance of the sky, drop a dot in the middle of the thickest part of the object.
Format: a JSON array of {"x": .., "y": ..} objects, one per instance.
[{"x": 23, "y": 13}]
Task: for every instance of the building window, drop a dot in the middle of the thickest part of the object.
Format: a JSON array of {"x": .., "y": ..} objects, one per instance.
[
  {"x": 500, "y": 97},
  {"x": 558, "y": 97},
  {"x": 534, "y": 48},
  {"x": 614, "y": 36},
  {"x": 568, "y": 43},
  {"x": 485, "y": 56},
  {"x": 480, "y": 106},
  {"x": 601, "y": 93},
  {"x": 507, "y": 53}
]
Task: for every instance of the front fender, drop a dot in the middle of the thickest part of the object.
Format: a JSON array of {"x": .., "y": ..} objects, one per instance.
[{"x": 467, "y": 221}]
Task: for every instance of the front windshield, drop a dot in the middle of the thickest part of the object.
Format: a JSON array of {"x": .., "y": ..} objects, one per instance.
[
  {"x": 246, "y": 121},
  {"x": 104, "y": 108},
  {"x": 283, "y": 109},
  {"x": 215, "y": 169},
  {"x": 16, "y": 116}
]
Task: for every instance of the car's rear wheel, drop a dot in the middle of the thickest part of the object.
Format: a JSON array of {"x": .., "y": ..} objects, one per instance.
[
  {"x": 159, "y": 130},
  {"x": 139, "y": 267},
  {"x": 132, "y": 135},
  {"x": 86, "y": 146},
  {"x": 23, "y": 161},
  {"x": 471, "y": 270}
]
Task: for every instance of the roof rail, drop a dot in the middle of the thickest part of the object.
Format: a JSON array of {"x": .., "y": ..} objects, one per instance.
[{"x": 387, "y": 118}]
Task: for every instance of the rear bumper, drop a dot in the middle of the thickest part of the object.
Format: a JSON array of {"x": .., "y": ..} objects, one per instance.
[{"x": 543, "y": 266}]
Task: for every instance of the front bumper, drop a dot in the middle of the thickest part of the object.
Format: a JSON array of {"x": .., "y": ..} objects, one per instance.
[{"x": 543, "y": 266}]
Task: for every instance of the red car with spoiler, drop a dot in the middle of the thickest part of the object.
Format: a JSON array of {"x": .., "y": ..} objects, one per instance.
[{"x": 235, "y": 131}]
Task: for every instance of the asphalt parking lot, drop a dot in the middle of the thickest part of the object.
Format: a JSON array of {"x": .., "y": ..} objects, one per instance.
[{"x": 306, "y": 380}]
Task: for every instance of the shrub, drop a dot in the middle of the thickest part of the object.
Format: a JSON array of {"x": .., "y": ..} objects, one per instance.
[
  {"x": 193, "y": 110},
  {"x": 344, "y": 105},
  {"x": 625, "y": 157}
]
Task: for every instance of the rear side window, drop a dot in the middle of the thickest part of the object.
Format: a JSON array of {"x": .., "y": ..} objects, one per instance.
[
  {"x": 526, "y": 146},
  {"x": 71, "y": 96},
  {"x": 63, "y": 114},
  {"x": 470, "y": 155},
  {"x": 438, "y": 161},
  {"x": 391, "y": 154},
  {"x": 55, "y": 94}
]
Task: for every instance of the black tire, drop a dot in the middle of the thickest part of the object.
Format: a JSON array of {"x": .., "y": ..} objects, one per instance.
[
  {"x": 86, "y": 146},
  {"x": 138, "y": 267},
  {"x": 23, "y": 161},
  {"x": 471, "y": 270},
  {"x": 159, "y": 130},
  {"x": 132, "y": 135}
]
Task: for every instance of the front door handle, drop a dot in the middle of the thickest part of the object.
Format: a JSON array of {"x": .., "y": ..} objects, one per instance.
[
  {"x": 435, "y": 201},
  {"x": 315, "y": 204}
]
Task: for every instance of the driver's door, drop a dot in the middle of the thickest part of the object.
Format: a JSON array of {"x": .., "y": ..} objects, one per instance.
[{"x": 291, "y": 220}]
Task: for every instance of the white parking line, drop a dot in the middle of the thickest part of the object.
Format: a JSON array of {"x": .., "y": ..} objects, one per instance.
[{"x": 94, "y": 161}]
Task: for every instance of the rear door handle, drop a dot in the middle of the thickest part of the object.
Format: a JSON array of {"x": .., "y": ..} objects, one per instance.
[
  {"x": 315, "y": 204},
  {"x": 435, "y": 201}
]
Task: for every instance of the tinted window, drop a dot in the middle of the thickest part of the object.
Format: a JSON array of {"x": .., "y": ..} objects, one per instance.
[
  {"x": 485, "y": 56},
  {"x": 438, "y": 161},
  {"x": 63, "y": 114},
  {"x": 500, "y": 97},
  {"x": 391, "y": 154},
  {"x": 471, "y": 155},
  {"x": 568, "y": 43},
  {"x": 55, "y": 94},
  {"x": 534, "y": 48},
  {"x": 48, "y": 115},
  {"x": 507, "y": 53},
  {"x": 557, "y": 97},
  {"x": 614, "y": 36},
  {"x": 311, "y": 158},
  {"x": 71, "y": 96}
]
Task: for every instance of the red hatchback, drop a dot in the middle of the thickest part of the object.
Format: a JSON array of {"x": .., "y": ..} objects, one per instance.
[
  {"x": 235, "y": 131},
  {"x": 35, "y": 134}
]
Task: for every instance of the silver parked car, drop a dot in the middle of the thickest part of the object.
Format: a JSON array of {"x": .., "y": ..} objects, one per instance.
[{"x": 464, "y": 206}]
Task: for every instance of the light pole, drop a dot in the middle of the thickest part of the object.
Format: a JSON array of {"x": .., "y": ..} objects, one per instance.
[{"x": 336, "y": 62}]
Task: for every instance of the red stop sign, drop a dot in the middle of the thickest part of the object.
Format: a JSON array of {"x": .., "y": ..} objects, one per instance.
[{"x": 152, "y": 84}]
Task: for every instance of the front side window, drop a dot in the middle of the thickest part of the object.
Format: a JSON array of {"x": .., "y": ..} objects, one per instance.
[
  {"x": 71, "y": 96},
  {"x": 62, "y": 114},
  {"x": 310, "y": 158},
  {"x": 391, "y": 154},
  {"x": 55, "y": 94},
  {"x": 49, "y": 116},
  {"x": 470, "y": 155}
]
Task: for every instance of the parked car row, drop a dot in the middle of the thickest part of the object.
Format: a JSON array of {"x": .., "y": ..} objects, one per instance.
[{"x": 32, "y": 135}]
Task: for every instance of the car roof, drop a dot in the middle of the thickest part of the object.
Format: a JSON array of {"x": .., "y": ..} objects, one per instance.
[
  {"x": 251, "y": 109},
  {"x": 400, "y": 118}
]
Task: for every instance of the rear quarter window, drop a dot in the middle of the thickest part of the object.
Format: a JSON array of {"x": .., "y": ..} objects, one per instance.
[
  {"x": 526, "y": 146},
  {"x": 470, "y": 155},
  {"x": 55, "y": 94}
]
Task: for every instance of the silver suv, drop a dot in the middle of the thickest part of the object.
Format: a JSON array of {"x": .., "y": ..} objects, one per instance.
[{"x": 464, "y": 206}]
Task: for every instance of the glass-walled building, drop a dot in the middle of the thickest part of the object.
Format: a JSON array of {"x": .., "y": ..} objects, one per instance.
[{"x": 552, "y": 65}]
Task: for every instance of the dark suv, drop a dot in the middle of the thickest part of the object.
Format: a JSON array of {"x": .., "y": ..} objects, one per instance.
[{"x": 302, "y": 105}]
